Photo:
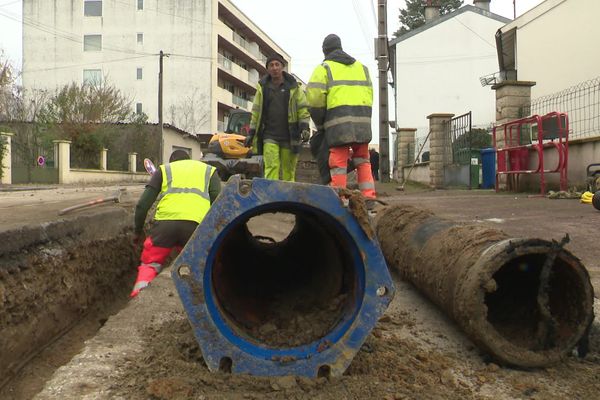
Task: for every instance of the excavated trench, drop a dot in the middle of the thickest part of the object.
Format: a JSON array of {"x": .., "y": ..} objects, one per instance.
[{"x": 59, "y": 282}]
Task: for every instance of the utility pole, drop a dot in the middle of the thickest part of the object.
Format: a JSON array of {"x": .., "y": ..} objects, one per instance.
[
  {"x": 160, "y": 105},
  {"x": 382, "y": 57}
]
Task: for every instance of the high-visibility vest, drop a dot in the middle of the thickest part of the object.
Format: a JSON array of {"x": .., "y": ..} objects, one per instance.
[
  {"x": 343, "y": 95},
  {"x": 184, "y": 192},
  {"x": 298, "y": 116}
]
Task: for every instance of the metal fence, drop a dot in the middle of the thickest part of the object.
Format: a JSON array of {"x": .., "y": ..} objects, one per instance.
[
  {"x": 582, "y": 104},
  {"x": 457, "y": 149}
]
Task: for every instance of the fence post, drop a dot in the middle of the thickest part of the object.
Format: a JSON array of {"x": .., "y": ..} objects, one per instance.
[
  {"x": 511, "y": 98},
  {"x": 132, "y": 162},
  {"x": 62, "y": 157},
  {"x": 7, "y": 159},
  {"x": 437, "y": 143},
  {"x": 406, "y": 138},
  {"x": 103, "y": 159}
]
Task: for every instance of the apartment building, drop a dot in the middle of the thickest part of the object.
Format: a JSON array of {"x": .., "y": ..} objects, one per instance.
[{"x": 213, "y": 54}]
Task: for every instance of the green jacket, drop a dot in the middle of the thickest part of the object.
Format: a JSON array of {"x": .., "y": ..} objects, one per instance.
[{"x": 298, "y": 115}]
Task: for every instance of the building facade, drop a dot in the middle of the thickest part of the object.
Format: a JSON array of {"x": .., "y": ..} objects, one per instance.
[
  {"x": 213, "y": 54},
  {"x": 551, "y": 44},
  {"x": 438, "y": 65}
]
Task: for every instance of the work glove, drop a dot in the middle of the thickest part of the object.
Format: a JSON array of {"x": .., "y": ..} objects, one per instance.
[
  {"x": 305, "y": 135},
  {"x": 248, "y": 140}
]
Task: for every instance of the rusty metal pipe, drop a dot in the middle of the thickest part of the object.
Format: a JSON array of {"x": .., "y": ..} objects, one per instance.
[{"x": 527, "y": 302}]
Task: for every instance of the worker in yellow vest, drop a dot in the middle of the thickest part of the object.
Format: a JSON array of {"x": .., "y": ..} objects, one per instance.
[
  {"x": 187, "y": 188},
  {"x": 340, "y": 99}
]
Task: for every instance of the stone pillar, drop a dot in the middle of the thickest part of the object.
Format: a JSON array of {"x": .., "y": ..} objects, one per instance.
[
  {"x": 7, "y": 159},
  {"x": 62, "y": 157},
  {"x": 132, "y": 162},
  {"x": 437, "y": 147},
  {"x": 406, "y": 138},
  {"x": 511, "y": 98},
  {"x": 103, "y": 159}
]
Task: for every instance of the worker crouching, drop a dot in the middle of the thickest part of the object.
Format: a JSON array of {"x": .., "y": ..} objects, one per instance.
[{"x": 186, "y": 189}]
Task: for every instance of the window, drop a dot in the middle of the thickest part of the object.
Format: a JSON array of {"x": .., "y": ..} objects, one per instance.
[
  {"x": 139, "y": 74},
  {"x": 92, "y": 42},
  {"x": 92, "y": 76},
  {"x": 92, "y": 8},
  {"x": 138, "y": 108},
  {"x": 140, "y": 38},
  {"x": 140, "y": 4}
]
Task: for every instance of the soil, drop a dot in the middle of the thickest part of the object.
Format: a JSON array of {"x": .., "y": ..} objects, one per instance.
[{"x": 415, "y": 351}]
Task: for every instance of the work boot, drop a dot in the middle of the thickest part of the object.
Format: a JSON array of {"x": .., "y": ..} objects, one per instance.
[
  {"x": 137, "y": 288},
  {"x": 145, "y": 275}
]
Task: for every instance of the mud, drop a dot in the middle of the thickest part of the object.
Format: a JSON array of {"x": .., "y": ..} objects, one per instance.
[
  {"x": 60, "y": 276},
  {"x": 174, "y": 369},
  {"x": 415, "y": 352}
]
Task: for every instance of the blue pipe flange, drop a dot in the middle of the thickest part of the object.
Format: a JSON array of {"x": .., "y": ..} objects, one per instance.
[{"x": 302, "y": 304}]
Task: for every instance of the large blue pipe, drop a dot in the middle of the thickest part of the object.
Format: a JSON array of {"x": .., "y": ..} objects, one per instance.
[{"x": 302, "y": 305}]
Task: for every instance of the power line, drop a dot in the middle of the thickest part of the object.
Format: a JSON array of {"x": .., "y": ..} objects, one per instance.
[
  {"x": 363, "y": 28},
  {"x": 373, "y": 12},
  {"x": 447, "y": 60},
  {"x": 476, "y": 34},
  {"x": 9, "y": 3},
  {"x": 87, "y": 64},
  {"x": 67, "y": 35}
]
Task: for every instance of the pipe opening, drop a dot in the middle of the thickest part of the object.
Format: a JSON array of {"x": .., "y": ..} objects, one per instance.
[
  {"x": 324, "y": 371},
  {"x": 225, "y": 365},
  {"x": 530, "y": 313},
  {"x": 291, "y": 289}
]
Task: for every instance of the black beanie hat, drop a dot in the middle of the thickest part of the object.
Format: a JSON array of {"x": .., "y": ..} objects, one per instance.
[
  {"x": 330, "y": 43},
  {"x": 274, "y": 57}
]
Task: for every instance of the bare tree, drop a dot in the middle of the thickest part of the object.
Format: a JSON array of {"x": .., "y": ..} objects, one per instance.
[
  {"x": 7, "y": 84},
  {"x": 191, "y": 114}
]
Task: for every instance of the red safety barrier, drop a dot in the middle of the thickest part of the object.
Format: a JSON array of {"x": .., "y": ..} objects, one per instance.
[{"x": 514, "y": 144}]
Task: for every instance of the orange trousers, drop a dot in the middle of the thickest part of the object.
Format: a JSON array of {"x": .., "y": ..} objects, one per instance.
[
  {"x": 152, "y": 259},
  {"x": 338, "y": 164}
]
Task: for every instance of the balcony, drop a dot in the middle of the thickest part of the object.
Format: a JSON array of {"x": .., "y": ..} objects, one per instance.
[
  {"x": 224, "y": 62},
  {"x": 239, "y": 101},
  {"x": 240, "y": 48},
  {"x": 231, "y": 101},
  {"x": 244, "y": 43}
]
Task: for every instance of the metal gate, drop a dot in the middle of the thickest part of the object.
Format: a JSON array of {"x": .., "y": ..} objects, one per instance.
[
  {"x": 32, "y": 157},
  {"x": 461, "y": 161}
]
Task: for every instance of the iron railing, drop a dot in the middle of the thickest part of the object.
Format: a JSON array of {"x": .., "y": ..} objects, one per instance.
[
  {"x": 457, "y": 149},
  {"x": 224, "y": 62},
  {"x": 580, "y": 102}
]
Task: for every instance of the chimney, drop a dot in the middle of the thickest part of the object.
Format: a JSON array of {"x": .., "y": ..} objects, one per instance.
[
  {"x": 483, "y": 4},
  {"x": 432, "y": 10}
]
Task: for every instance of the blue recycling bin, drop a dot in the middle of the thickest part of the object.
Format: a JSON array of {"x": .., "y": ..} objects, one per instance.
[{"x": 488, "y": 168}]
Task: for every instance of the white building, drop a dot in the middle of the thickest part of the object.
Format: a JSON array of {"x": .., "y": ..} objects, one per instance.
[
  {"x": 215, "y": 54},
  {"x": 438, "y": 65},
  {"x": 553, "y": 45}
]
